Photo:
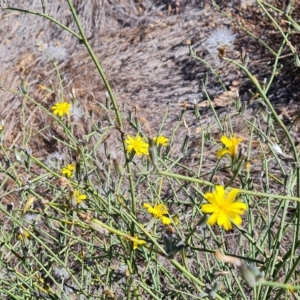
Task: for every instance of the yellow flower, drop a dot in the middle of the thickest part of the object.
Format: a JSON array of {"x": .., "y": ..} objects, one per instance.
[
  {"x": 79, "y": 197},
  {"x": 223, "y": 208},
  {"x": 231, "y": 145},
  {"x": 24, "y": 235},
  {"x": 137, "y": 242},
  {"x": 159, "y": 211},
  {"x": 161, "y": 140},
  {"x": 68, "y": 170},
  {"x": 61, "y": 108},
  {"x": 137, "y": 144}
]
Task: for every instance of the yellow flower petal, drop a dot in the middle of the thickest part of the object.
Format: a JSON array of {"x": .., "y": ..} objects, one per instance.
[
  {"x": 238, "y": 206},
  {"x": 219, "y": 194},
  {"x": 208, "y": 208},
  {"x": 210, "y": 198},
  {"x": 222, "y": 152},
  {"x": 161, "y": 209},
  {"x": 237, "y": 219},
  {"x": 166, "y": 220},
  {"x": 148, "y": 207},
  {"x": 232, "y": 195},
  {"x": 223, "y": 220},
  {"x": 212, "y": 220},
  {"x": 226, "y": 141}
]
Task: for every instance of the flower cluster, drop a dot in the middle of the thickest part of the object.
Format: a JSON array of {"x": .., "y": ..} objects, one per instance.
[
  {"x": 223, "y": 208},
  {"x": 140, "y": 147}
]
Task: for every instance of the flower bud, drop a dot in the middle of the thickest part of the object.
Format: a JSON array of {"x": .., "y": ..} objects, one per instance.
[
  {"x": 118, "y": 168},
  {"x": 152, "y": 152},
  {"x": 96, "y": 225},
  {"x": 251, "y": 274}
]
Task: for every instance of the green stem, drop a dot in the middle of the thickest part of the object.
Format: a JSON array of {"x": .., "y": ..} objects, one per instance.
[
  {"x": 242, "y": 191},
  {"x": 46, "y": 17},
  {"x": 84, "y": 41},
  {"x": 190, "y": 276},
  {"x": 280, "y": 285},
  {"x": 268, "y": 103}
]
